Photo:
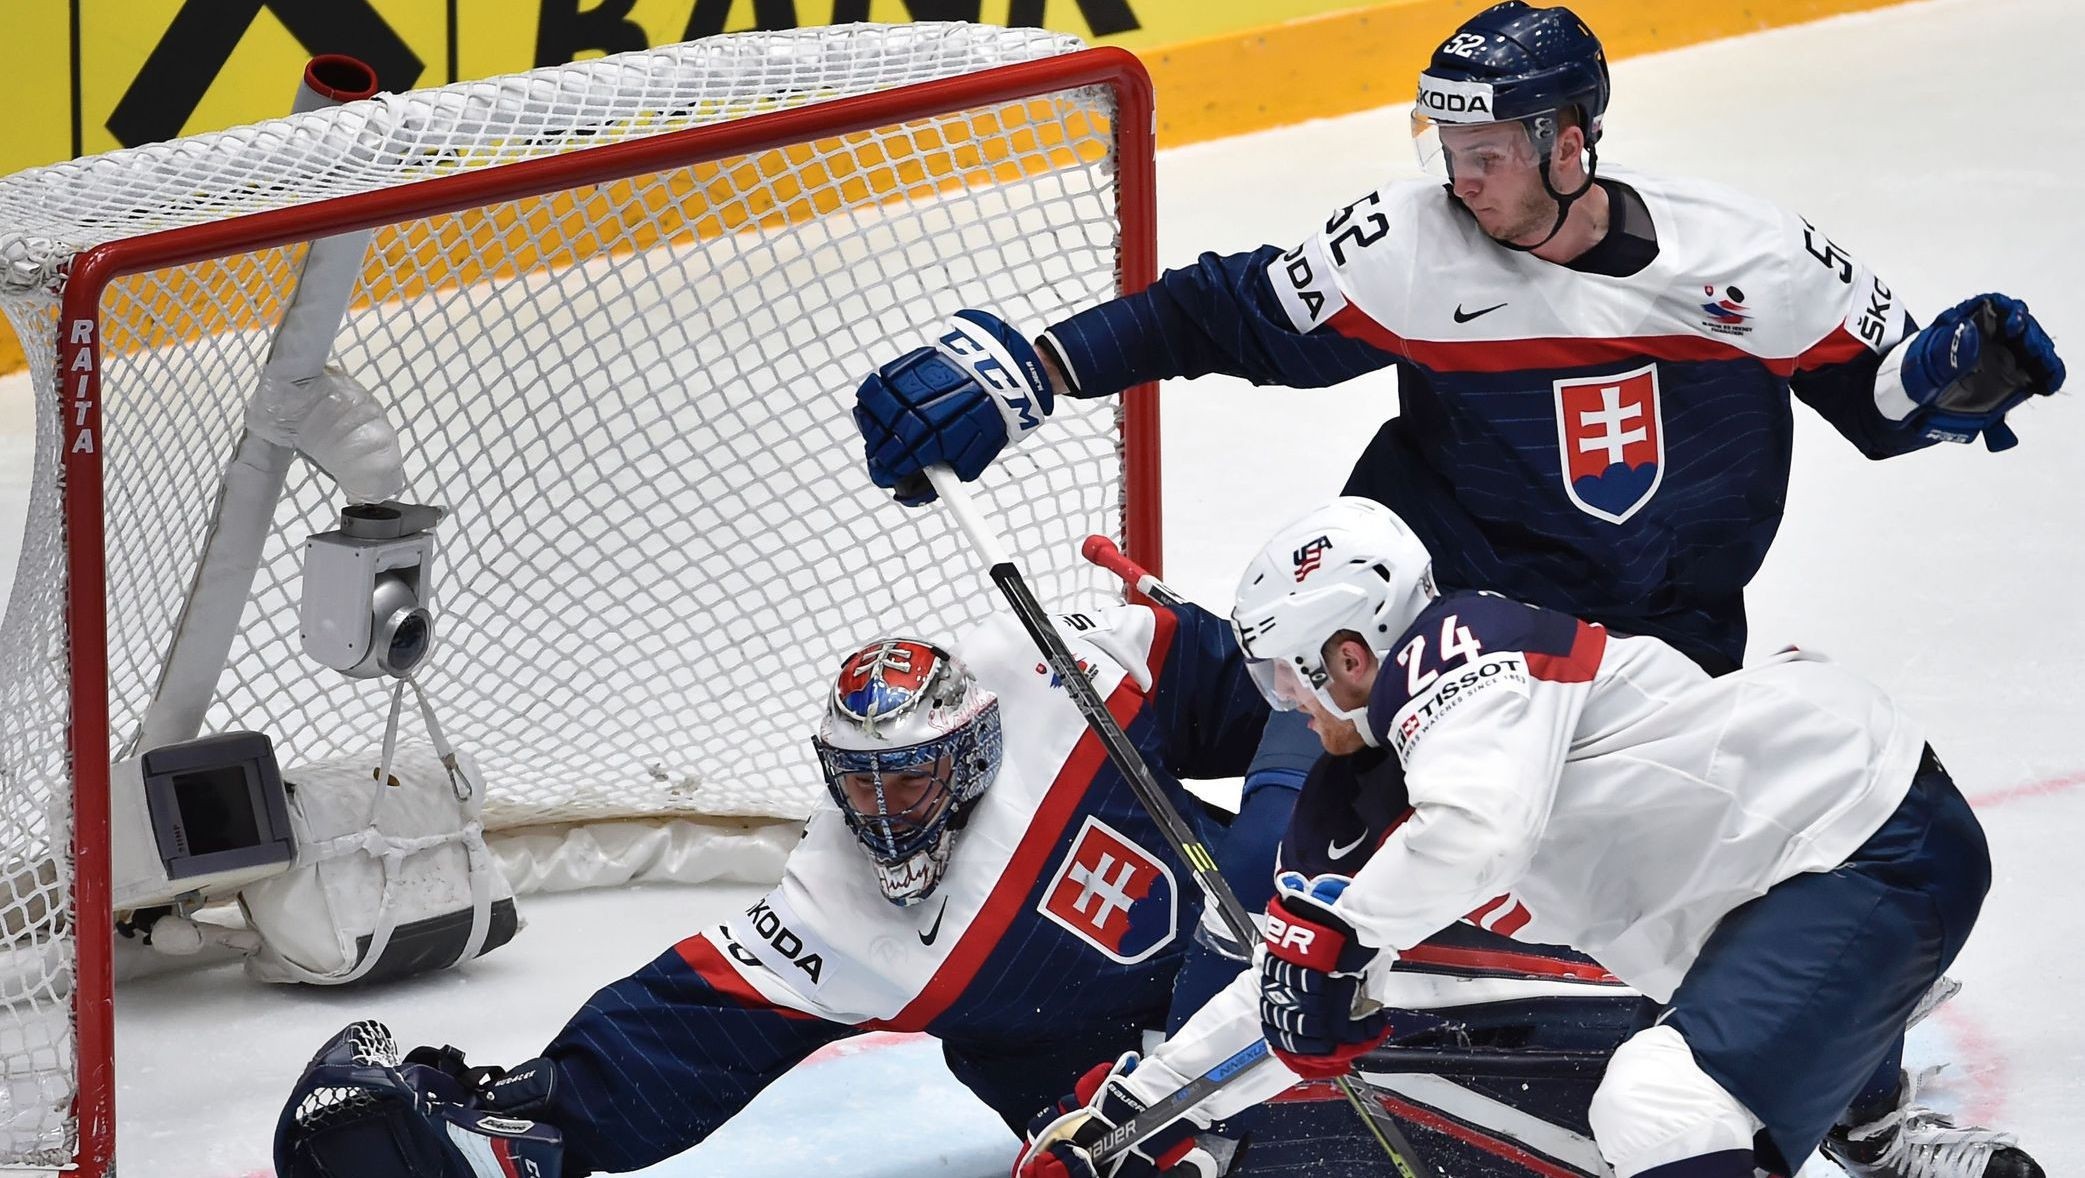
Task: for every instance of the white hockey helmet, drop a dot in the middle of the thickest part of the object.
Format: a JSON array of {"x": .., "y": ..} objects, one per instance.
[
  {"x": 1350, "y": 564},
  {"x": 910, "y": 739}
]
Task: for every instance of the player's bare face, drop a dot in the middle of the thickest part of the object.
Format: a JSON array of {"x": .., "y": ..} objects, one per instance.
[
  {"x": 1334, "y": 731},
  {"x": 1498, "y": 177}
]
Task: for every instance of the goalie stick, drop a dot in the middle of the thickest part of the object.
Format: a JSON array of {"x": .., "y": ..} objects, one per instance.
[{"x": 1202, "y": 865}]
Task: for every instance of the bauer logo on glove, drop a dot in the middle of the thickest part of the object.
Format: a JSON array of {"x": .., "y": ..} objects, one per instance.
[{"x": 1312, "y": 1006}]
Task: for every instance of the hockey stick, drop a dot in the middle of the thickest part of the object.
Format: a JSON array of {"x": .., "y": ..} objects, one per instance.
[
  {"x": 1175, "y": 1104},
  {"x": 1130, "y": 763}
]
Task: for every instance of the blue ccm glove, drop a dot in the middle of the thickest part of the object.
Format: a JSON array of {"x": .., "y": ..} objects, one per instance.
[
  {"x": 959, "y": 402},
  {"x": 1312, "y": 1008},
  {"x": 1972, "y": 365}
]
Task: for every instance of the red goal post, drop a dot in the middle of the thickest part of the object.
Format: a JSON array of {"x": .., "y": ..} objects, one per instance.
[{"x": 77, "y": 373}]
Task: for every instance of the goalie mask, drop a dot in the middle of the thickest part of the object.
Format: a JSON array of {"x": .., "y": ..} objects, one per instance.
[{"x": 910, "y": 740}]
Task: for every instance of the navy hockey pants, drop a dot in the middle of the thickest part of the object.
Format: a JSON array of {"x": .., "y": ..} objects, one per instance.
[{"x": 1801, "y": 994}]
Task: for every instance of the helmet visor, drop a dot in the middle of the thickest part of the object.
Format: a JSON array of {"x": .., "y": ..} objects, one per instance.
[
  {"x": 1282, "y": 682},
  {"x": 1473, "y": 151}
]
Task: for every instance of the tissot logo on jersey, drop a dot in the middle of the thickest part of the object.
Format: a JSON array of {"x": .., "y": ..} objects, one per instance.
[
  {"x": 1113, "y": 894},
  {"x": 1611, "y": 438},
  {"x": 1419, "y": 714}
]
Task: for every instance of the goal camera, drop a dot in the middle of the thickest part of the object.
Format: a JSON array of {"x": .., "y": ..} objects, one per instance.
[{"x": 366, "y": 588}]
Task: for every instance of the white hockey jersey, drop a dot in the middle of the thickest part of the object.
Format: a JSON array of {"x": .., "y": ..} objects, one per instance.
[
  {"x": 1570, "y": 787},
  {"x": 1553, "y": 783}
]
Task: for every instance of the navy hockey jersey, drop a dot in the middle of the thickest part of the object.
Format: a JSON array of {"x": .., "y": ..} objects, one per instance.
[{"x": 1613, "y": 447}]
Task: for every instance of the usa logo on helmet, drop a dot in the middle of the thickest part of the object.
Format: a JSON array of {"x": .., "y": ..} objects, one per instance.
[
  {"x": 1611, "y": 435},
  {"x": 1310, "y": 556},
  {"x": 1113, "y": 894}
]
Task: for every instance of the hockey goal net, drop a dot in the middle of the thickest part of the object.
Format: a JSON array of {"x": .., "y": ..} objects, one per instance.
[{"x": 615, "y": 312}]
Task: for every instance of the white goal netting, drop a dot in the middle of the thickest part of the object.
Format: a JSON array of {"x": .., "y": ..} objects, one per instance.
[{"x": 631, "y": 393}]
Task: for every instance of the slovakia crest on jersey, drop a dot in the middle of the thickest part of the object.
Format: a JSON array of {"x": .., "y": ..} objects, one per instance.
[
  {"x": 1611, "y": 438},
  {"x": 1113, "y": 894}
]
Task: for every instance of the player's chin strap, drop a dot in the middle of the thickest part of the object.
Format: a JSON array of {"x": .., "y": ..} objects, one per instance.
[{"x": 1186, "y": 844}]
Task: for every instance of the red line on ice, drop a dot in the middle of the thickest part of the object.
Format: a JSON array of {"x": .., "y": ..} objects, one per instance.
[
  {"x": 1982, "y": 1067},
  {"x": 861, "y": 1044},
  {"x": 2033, "y": 789}
]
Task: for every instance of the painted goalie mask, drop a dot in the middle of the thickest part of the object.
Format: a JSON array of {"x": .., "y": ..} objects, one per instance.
[{"x": 909, "y": 741}]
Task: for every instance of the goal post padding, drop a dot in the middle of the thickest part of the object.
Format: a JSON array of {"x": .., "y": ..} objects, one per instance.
[{"x": 615, "y": 311}]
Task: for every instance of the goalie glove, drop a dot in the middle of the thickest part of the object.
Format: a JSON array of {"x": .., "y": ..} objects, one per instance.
[
  {"x": 1063, "y": 1140},
  {"x": 1970, "y": 367},
  {"x": 1312, "y": 1008},
  {"x": 359, "y": 1110},
  {"x": 957, "y": 403}
]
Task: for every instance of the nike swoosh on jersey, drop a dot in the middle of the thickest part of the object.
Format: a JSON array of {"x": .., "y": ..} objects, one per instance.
[
  {"x": 927, "y": 938},
  {"x": 1338, "y": 852},
  {"x": 1461, "y": 317}
]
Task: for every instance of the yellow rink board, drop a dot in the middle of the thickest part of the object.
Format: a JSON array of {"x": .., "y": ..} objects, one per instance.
[
  {"x": 1371, "y": 56},
  {"x": 755, "y": 192},
  {"x": 1233, "y": 82}
]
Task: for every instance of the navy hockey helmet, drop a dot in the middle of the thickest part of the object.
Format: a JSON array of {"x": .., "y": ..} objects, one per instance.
[{"x": 1515, "y": 63}]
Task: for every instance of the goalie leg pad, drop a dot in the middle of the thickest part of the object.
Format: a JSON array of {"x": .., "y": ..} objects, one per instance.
[{"x": 358, "y": 1111}]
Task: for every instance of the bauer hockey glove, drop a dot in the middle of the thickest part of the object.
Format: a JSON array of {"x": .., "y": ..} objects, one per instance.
[
  {"x": 1312, "y": 1008},
  {"x": 1064, "y": 1139},
  {"x": 958, "y": 402},
  {"x": 1972, "y": 365}
]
